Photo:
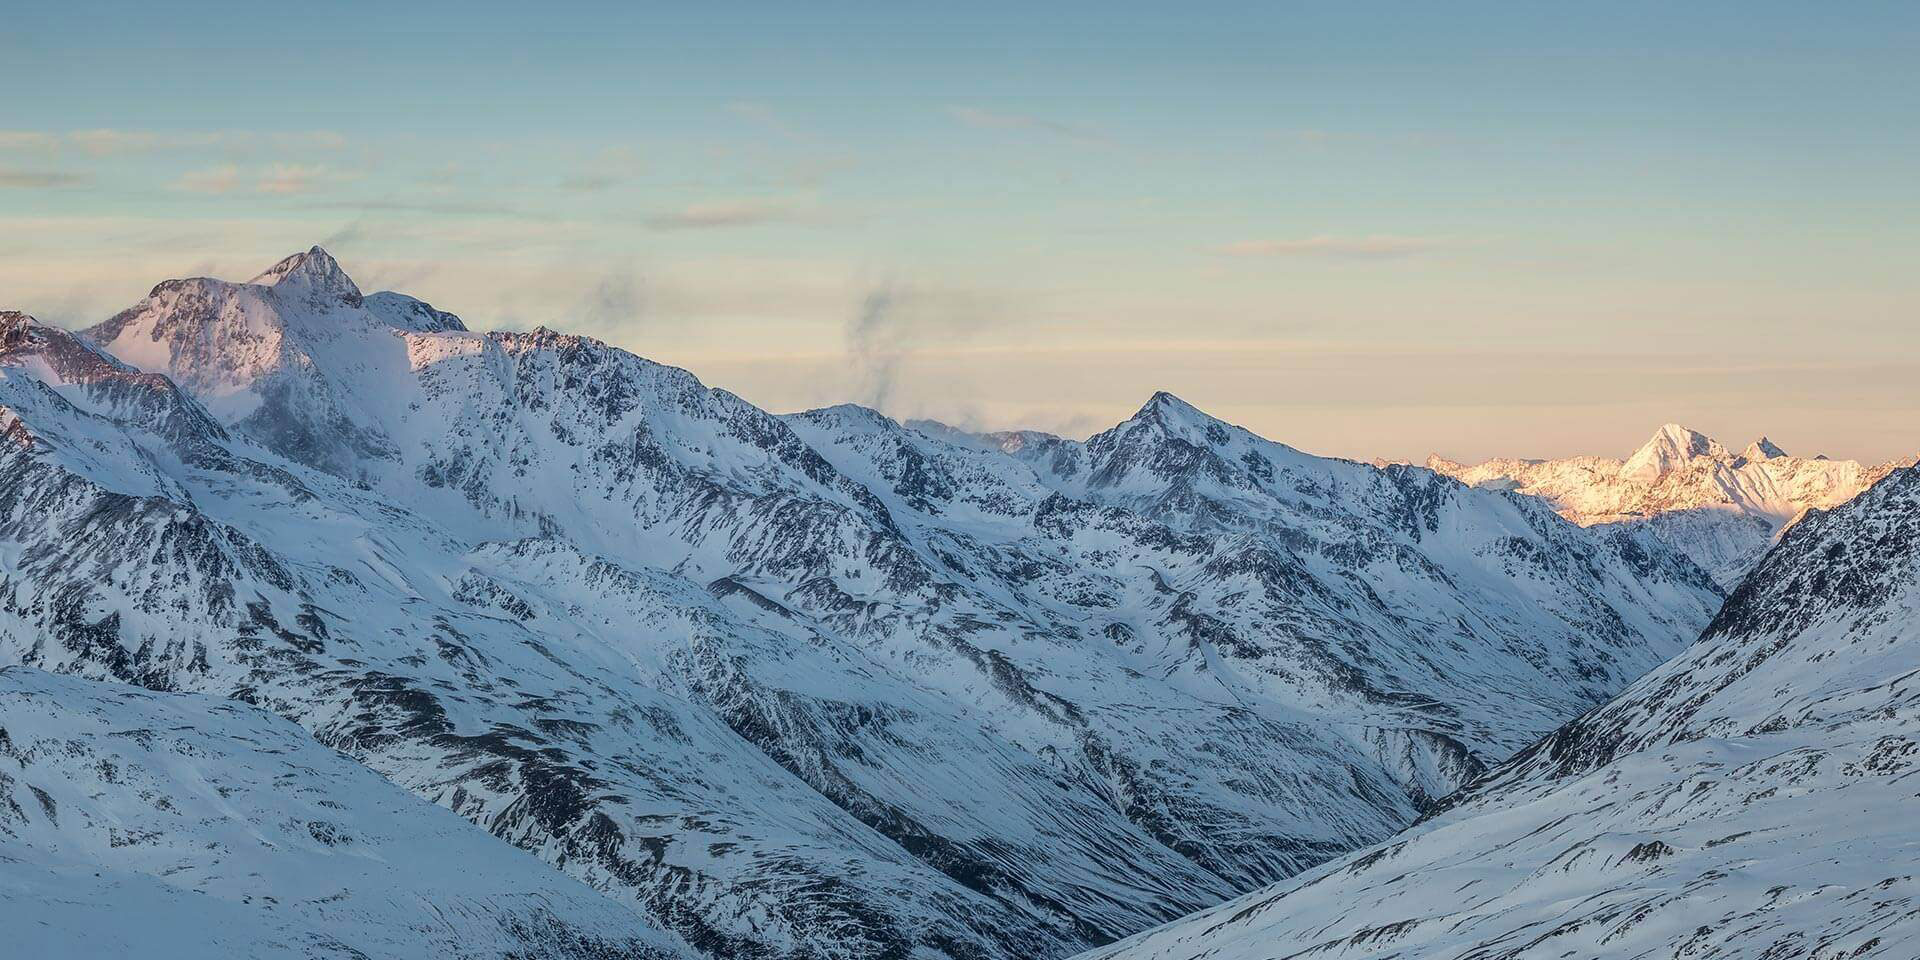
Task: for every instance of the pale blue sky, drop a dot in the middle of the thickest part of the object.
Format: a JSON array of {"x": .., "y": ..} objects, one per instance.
[{"x": 1366, "y": 229}]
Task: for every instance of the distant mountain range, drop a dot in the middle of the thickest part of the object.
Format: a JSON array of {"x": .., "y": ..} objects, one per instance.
[
  {"x": 1722, "y": 510},
  {"x": 809, "y": 686}
]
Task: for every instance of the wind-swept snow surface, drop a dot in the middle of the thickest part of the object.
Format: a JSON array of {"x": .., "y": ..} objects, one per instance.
[
  {"x": 142, "y": 824},
  {"x": 809, "y": 686},
  {"x": 1754, "y": 797}
]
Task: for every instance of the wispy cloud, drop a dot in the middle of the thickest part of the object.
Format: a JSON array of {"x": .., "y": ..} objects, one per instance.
[
  {"x": 765, "y": 117},
  {"x": 17, "y": 140},
  {"x": 1373, "y": 247},
  {"x": 284, "y": 179},
  {"x": 590, "y": 182},
  {"x": 791, "y": 154},
  {"x": 984, "y": 119},
  {"x": 310, "y": 140},
  {"x": 731, "y": 213},
  {"x": 405, "y": 205},
  {"x": 104, "y": 142},
  {"x": 220, "y": 179},
  {"x": 291, "y": 178},
  {"x": 609, "y": 168},
  {"x": 40, "y": 179}
]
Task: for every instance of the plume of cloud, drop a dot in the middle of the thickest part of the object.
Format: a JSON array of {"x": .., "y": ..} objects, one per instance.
[
  {"x": 895, "y": 323},
  {"x": 615, "y": 306},
  {"x": 874, "y": 346},
  {"x": 347, "y": 237}
]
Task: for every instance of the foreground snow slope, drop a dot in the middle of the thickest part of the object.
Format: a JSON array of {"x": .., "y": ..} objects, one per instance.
[
  {"x": 155, "y": 825},
  {"x": 809, "y": 686},
  {"x": 1754, "y": 797},
  {"x": 1723, "y": 510}
]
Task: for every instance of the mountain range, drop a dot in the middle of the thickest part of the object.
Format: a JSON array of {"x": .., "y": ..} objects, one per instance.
[
  {"x": 815, "y": 685},
  {"x": 1752, "y": 797},
  {"x": 1721, "y": 509}
]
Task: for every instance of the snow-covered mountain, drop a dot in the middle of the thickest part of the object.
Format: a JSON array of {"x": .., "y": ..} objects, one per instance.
[
  {"x": 1722, "y": 510},
  {"x": 1754, "y": 797},
  {"x": 135, "y": 823},
  {"x": 820, "y": 685}
]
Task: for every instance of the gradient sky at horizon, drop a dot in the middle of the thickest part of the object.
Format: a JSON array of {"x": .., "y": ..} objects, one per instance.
[{"x": 1362, "y": 229}]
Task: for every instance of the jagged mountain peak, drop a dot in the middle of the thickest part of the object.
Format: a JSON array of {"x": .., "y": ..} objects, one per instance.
[
  {"x": 14, "y": 328},
  {"x": 1164, "y": 407},
  {"x": 1671, "y": 446},
  {"x": 847, "y": 414},
  {"x": 1763, "y": 449},
  {"x": 67, "y": 355},
  {"x": 315, "y": 272},
  {"x": 1165, "y": 415}
]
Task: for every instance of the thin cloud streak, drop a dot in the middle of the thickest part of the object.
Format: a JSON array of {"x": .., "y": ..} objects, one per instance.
[
  {"x": 283, "y": 179},
  {"x": 1374, "y": 247},
  {"x": 983, "y": 119},
  {"x": 105, "y": 142},
  {"x": 41, "y": 179},
  {"x": 735, "y": 213},
  {"x": 221, "y": 179}
]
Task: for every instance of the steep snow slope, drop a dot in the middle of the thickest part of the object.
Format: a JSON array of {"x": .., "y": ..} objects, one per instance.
[
  {"x": 1320, "y": 571},
  {"x": 149, "y": 824},
  {"x": 1751, "y": 798},
  {"x": 812, "y": 686},
  {"x": 1721, "y": 510}
]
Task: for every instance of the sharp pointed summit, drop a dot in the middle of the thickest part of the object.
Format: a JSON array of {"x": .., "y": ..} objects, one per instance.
[
  {"x": 1174, "y": 417},
  {"x": 1163, "y": 404},
  {"x": 1671, "y": 446},
  {"x": 315, "y": 272},
  {"x": 14, "y": 326},
  {"x": 1762, "y": 449}
]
